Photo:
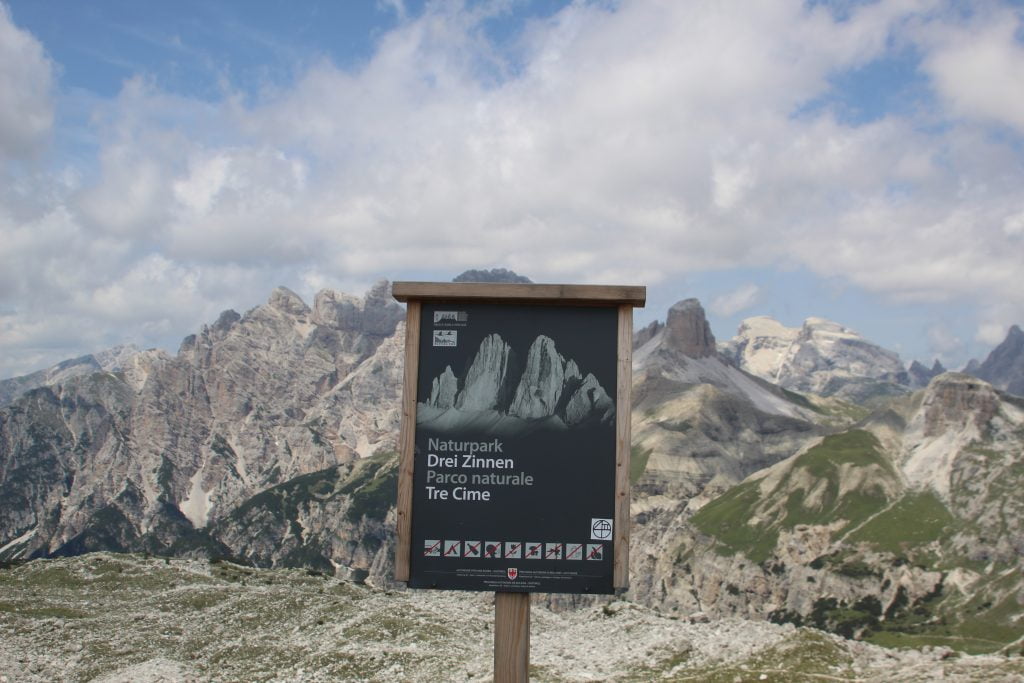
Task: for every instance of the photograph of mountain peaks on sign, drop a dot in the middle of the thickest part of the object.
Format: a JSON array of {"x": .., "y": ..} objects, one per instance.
[
  {"x": 505, "y": 392},
  {"x": 203, "y": 205}
]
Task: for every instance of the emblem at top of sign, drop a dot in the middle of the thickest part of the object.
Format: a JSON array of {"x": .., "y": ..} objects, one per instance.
[{"x": 450, "y": 317}]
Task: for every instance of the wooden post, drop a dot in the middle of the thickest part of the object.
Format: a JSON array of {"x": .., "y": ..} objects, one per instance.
[
  {"x": 624, "y": 391},
  {"x": 511, "y": 637},
  {"x": 406, "y": 440}
]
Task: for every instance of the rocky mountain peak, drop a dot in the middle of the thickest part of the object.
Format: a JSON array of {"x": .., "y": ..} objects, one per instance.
[
  {"x": 502, "y": 275},
  {"x": 955, "y": 401},
  {"x": 646, "y": 334},
  {"x": 687, "y": 330},
  {"x": 375, "y": 314},
  {"x": 918, "y": 375},
  {"x": 759, "y": 345},
  {"x": 546, "y": 385},
  {"x": 489, "y": 383},
  {"x": 226, "y": 320},
  {"x": 287, "y": 301},
  {"x": 1004, "y": 367}
]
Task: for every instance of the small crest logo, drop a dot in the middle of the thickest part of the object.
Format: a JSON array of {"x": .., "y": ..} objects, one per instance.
[
  {"x": 512, "y": 573},
  {"x": 446, "y": 337}
]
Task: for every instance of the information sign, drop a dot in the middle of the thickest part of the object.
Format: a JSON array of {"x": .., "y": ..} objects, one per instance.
[{"x": 516, "y": 446}]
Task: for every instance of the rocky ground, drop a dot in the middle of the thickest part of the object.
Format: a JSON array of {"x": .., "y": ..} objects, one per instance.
[{"x": 106, "y": 617}]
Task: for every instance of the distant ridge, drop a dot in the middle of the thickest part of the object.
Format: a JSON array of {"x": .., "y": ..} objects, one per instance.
[{"x": 492, "y": 275}]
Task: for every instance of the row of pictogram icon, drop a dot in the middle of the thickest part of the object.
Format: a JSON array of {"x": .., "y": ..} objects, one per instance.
[{"x": 513, "y": 550}]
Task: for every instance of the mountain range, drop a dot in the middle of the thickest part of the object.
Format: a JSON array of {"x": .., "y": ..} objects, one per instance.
[
  {"x": 548, "y": 392},
  {"x": 796, "y": 475}
]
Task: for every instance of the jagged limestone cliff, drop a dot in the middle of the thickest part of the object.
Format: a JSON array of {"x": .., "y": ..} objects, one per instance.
[{"x": 160, "y": 455}]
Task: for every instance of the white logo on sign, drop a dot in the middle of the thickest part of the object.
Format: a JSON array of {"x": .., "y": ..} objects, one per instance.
[
  {"x": 446, "y": 337},
  {"x": 450, "y": 317},
  {"x": 600, "y": 529}
]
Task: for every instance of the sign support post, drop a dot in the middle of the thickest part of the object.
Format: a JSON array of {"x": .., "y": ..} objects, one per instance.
[
  {"x": 515, "y": 445},
  {"x": 511, "y": 637}
]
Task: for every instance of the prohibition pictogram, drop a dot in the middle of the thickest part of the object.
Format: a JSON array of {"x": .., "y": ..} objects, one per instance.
[
  {"x": 492, "y": 549},
  {"x": 451, "y": 548},
  {"x": 471, "y": 548},
  {"x": 431, "y": 548},
  {"x": 553, "y": 551},
  {"x": 595, "y": 551},
  {"x": 513, "y": 550},
  {"x": 534, "y": 551},
  {"x": 574, "y": 551}
]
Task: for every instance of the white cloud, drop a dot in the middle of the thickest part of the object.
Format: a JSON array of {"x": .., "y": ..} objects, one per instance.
[
  {"x": 1013, "y": 225},
  {"x": 991, "y": 333},
  {"x": 629, "y": 143},
  {"x": 736, "y": 301},
  {"x": 26, "y": 80},
  {"x": 979, "y": 67}
]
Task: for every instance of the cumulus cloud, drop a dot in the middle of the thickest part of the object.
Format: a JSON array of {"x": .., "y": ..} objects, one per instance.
[
  {"x": 979, "y": 67},
  {"x": 736, "y": 301},
  {"x": 628, "y": 142},
  {"x": 26, "y": 81}
]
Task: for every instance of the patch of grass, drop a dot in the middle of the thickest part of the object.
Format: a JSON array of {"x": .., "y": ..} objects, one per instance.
[
  {"x": 638, "y": 458},
  {"x": 819, "y": 470},
  {"x": 809, "y": 653},
  {"x": 807, "y": 656},
  {"x": 900, "y": 639},
  {"x": 36, "y": 611},
  {"x": 374, "y": 496},
  {"x": 53, "y": 577},
  {"x": 918, "y": 518},
  {"x": 385, "y": 628},
  {"x": 800, "y": 400},
  {"x": 995, "y": 625},
  {"x": 725, "y": 519}
]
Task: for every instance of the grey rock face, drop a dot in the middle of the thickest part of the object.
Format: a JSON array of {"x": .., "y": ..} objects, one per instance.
[
  {"x": 287, "y": 301},
  {"x": 376, "y": 314},
  {"x": 589, "y": 399},
  {"x": 954, "y": 401},
  {"x": 822, "y": 358},
  {"x": 492, "y": 275},
  {"x": 548, "y": 386},
  {"x": 645, "y": 334},
  {"x": 489, "y": 384},
  {"x": 1004, "y": 367},
  {"x": 687, "y": 330},
  {"x": 700, "y": 424},
  {"x": 444, "y": 389},
  {"x": 110, "y": 360},
  {"x": 157, "y": 455},
  {"x": 542, "y": 381},
  {"x": 918, "y": 376}
]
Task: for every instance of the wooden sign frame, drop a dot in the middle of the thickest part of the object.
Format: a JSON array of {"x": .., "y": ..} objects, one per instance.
[{"x": 622, "y": 298}]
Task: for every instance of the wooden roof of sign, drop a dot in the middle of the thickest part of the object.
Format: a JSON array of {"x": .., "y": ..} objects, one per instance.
[{"x": 486, "y": 292}]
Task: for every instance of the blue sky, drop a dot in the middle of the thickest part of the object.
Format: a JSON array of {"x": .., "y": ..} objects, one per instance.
[{"x": 859, "y": 161}]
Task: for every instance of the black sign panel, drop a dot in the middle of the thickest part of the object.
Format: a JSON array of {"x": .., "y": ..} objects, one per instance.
[{"x": 514, "y": 466}]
